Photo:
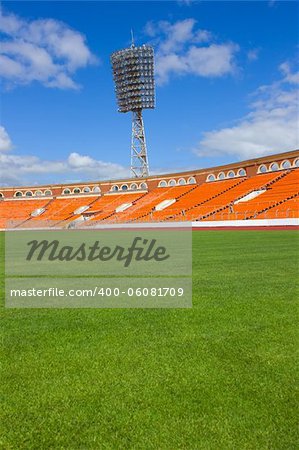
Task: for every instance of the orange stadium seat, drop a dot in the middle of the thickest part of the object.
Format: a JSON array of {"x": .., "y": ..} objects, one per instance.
[
  {"x": 142, "y": 209},
  {"x": 198, "y": 196},
  {"x": 15, "y": 212},
  {"x": 278, "y": 188},
  {"x": 213, "y": 210},
  {"x": 105, "y": 206},
  {"x": 60, "y": 210}
]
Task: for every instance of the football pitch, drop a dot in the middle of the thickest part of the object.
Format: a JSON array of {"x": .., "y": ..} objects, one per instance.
[{"x": 221, "y": 375}]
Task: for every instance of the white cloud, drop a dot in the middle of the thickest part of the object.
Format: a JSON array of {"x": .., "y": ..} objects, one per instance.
[
  {"x": 175, "y": 34},
  {"x": 271, "y": 126},
  {"x": 213, "y": 61},
  {"x": 75, "y": 160},
  {"x": 203, "y": 36},
  {"x": 5, "y": 142},
  {"x": 22, "y": 169},
  {"x": 44, "y": 50},
  {"x": 183, "y": 49},
  {"x": 289, "y": 76}
]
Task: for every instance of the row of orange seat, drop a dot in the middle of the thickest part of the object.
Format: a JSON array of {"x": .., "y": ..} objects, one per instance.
[
  {"x": 105, "y": 206},
  {"x": 15, "y": 212},
  {"x": 141, "y": 210},
  {"x": 277, "y": 190},
  {"x": 200, "y": 196}
]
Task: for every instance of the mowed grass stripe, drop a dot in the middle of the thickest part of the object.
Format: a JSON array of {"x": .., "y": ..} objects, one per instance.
[{"x": 220, "y": 376}]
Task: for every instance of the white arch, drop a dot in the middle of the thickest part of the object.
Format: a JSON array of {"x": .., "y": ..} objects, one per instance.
[
  {"x": 211, "y": 177},
  {"x": 286, "y": 164},
  {"x": 262, "y": 169},
  {"x": 162, "y": 183},
  {"x": 191, "y": 180},
  {"x": 274, "y": 166},
  {"x": 241, "y": 172},
  {"x": 296, "y": 162}
]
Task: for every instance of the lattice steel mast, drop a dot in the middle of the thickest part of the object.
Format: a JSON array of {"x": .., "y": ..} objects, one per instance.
[
  {"x": 133, "y": 73},
  {"x": 139, "y": 161}
]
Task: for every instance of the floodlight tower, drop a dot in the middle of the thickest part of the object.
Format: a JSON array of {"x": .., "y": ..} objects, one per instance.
[{"x": 133, "y": 73}]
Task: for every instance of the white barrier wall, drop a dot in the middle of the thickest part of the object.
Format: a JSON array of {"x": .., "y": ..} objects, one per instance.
[
  {"x": 207, "y": 224},
  {"x": 247, "y": 223},
  {"x": 195, "y": 225}
]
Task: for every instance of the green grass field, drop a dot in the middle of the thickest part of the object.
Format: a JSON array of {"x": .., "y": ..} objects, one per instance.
[{"x": 221, "y": 375}]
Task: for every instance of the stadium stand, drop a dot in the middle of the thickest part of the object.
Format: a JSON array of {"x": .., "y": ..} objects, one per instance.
[
  {"x": 15, "y": 212},
  {"x": 142, "y": 209},
  {"x": 106, "y": 206},
  {"x": 225, "y": 202},
  {"x": 265, "y": 187}
]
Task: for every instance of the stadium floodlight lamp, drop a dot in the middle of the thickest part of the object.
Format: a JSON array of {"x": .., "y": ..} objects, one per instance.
[{"x": 133, "y": 74}]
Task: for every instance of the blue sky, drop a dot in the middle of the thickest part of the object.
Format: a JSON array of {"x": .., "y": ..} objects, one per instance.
[{"x": 226, "y": 75}]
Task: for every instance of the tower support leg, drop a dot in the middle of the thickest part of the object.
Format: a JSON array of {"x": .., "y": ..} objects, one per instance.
[{"x": 139, "y": 162}]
